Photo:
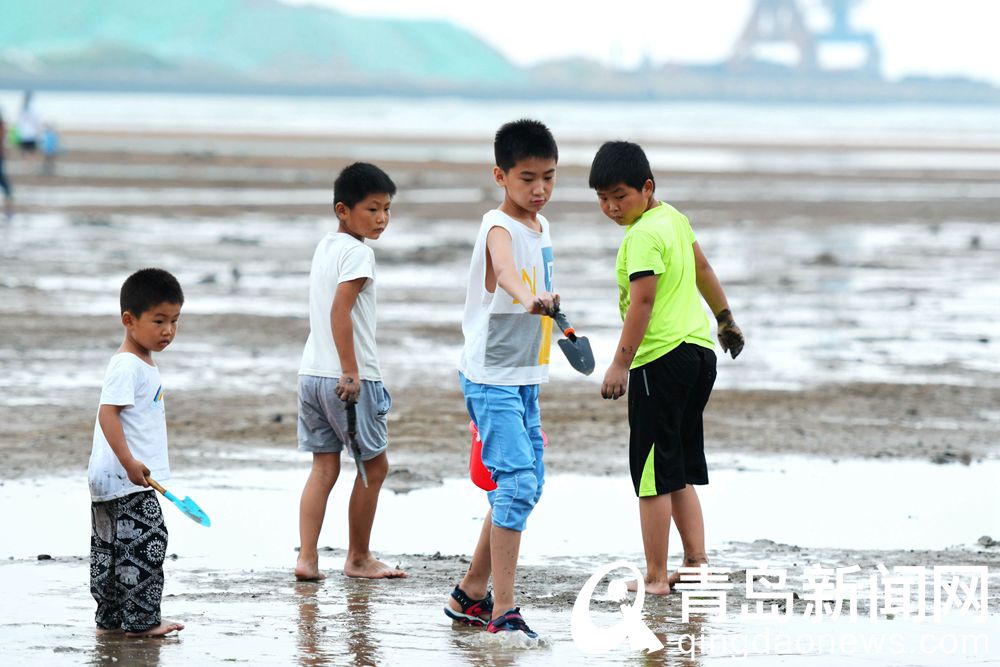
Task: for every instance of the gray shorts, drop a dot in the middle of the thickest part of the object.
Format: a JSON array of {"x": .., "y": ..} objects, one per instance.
[{"x": 322, "y": 424}]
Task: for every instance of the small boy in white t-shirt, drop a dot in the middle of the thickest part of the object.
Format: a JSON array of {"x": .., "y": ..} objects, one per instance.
[
  {"x": 340, "y": 366},
  {"x": 128, "y": 536}
]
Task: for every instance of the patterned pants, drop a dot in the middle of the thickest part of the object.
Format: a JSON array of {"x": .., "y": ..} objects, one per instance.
[{"x": 128, "y": 543}]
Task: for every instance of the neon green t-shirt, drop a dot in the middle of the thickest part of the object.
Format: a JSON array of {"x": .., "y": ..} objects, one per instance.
[{"x": 660, "y": 242}]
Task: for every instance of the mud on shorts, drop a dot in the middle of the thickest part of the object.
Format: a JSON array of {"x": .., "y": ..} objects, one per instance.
[
  {"x": 666, "y": 398},
  {"x": 322, "y": 424}
]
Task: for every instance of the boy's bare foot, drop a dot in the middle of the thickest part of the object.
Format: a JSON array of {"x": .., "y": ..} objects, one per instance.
[
  {"x": 675, "y": 576},
  {"x": 308, "y": 571},
  {"x": 101, "y": 632},
  {"x": 651, "y": 587},
  {"x": 664, "y": 588},
  {"x": 371, "y": 569},
  {"x": 161, "y": 630}
]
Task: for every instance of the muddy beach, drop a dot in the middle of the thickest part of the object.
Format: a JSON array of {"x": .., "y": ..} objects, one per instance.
[{"x": 861, "y": 287}]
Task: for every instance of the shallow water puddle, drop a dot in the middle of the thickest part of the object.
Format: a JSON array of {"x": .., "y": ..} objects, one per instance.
[
  {"x": 341, "y": 622},
  {"x": 47, "y": 620},
  {"x": 231, "y": 583},
  {"x": 792, "y": 500}
]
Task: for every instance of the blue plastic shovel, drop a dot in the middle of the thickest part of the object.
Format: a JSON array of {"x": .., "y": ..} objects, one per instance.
[{"x": 188, "y": 506}]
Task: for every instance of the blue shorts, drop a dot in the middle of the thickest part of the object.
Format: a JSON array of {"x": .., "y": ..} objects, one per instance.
[{"x": 510, "y": 426}]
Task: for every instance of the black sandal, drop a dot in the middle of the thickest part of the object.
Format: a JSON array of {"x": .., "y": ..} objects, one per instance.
[{"x": 472, "y": 610}]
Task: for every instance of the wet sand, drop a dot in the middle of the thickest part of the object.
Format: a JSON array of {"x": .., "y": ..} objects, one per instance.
[
  {"x": 62, "y": 253},
  {"x": 240, "y": 606},
  {"x": 881, "y": 358},
  {"x": 264, "y": 617},
  {"x": 429, "y": 429}
]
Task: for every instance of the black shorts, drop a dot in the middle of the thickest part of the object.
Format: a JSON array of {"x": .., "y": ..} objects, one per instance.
[{"x": 665, "y": 400}]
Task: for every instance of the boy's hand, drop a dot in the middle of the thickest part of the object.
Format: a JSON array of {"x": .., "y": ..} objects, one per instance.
[
  {"x": 730, "y": 336},
  {"x": 137, "y": 472},
  {"x": 348, "y": 387},
  {"x": 545, "y": 303},
  {"x": 615, "y": 382}
]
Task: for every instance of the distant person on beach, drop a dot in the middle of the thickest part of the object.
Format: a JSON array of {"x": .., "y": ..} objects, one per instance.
[
  {"x": 503, "y": 362},
  {"x": 340, "y": 367},
  {"x": 665, "y": 357},
  {"x": 8, "y": 194},
  {"x": 128, "y": 540},
  {"x": 28, "y": 126},
  {"x": 50, "y": 149}
]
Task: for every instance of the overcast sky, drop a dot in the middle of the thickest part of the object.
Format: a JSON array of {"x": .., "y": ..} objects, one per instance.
[{"x": 940, "y": 37}]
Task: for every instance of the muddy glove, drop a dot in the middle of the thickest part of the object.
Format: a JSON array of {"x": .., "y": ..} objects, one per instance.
[{"x": 730, "y": 336}]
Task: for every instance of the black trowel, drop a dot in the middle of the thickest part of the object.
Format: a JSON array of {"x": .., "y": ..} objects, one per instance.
[{"x": 576, "y": 348}]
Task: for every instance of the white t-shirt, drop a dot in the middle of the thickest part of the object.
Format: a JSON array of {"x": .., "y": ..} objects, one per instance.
[
  {"x": 339, "y": 258},
  {"x": 27, "y": 125},
  {"x": 130, "y": 382},
  {"x": 504, "y": 344}
]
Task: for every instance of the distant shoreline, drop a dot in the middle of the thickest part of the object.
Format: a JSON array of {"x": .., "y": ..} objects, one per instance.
[{"x": 721, "y": 89}]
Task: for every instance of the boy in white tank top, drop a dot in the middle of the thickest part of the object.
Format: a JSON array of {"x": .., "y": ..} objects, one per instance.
[{"x": 504, "y": 360}]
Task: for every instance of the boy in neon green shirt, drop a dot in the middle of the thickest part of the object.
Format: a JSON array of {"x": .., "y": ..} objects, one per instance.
[{"x": 665, "y": 358}]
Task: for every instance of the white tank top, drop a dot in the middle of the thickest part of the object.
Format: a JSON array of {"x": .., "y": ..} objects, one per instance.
[{"x": 504, "y": 344}]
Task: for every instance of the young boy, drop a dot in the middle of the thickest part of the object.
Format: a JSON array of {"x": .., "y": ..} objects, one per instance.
[
  {"x": 505, "y": 358},
  {"x": 8, "y": 195},
  {"x": 665, "y": 356},
  {"x": 128, "y": 537},
  {"x": 340, "y": 366}
]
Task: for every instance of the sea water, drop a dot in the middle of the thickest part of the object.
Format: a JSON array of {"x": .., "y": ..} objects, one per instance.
[{"x": 473, "y": 119}]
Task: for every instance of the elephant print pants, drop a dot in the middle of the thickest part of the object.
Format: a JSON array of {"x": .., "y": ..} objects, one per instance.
[{"x": 128, "y": 543}]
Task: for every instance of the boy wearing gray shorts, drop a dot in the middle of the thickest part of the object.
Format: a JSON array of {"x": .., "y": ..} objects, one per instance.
[{"x": 340, "y": 367}]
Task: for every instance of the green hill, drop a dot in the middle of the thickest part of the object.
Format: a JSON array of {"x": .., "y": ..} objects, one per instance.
[
  {"x": 249, "y": 40},
  {"x": 264, "y": 46}
]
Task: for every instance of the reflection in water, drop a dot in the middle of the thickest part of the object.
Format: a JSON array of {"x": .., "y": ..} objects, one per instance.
[
  {"x": 311, "y": 626},
  {"x": 320, "y": 630},
  {"x": 359, "y": 622},
  {"x": 117, "y": 649},
  {"x": 634, "y": 628},
  {"x": 678, "y": 640},
  {"x": 468, "y": 643}
]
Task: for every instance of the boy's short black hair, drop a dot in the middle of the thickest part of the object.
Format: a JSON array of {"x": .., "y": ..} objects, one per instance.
[
  {"x": 360, "y": 180},
  {"x": 620, "y": 162},
  {"x": 520, "y": 139},
  {"x": 148, "y": 287}
]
